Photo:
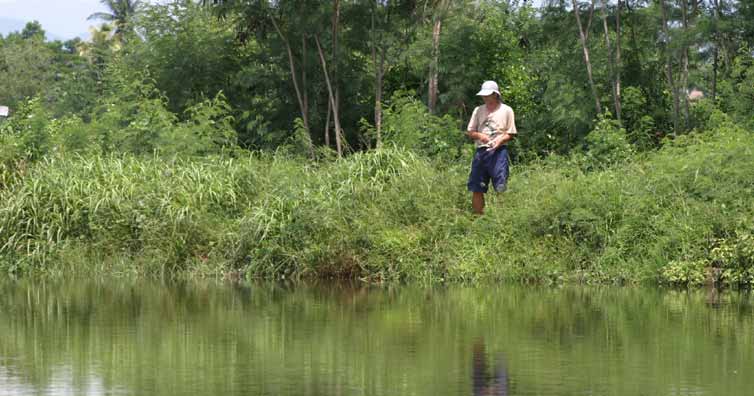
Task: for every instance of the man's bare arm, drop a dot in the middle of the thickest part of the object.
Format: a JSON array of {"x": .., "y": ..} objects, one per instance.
[{"x": 476, "y": 135}]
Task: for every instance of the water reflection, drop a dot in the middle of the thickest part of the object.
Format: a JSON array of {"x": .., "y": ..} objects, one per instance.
[
  {"x": 62, "y": 382},
  {"x": 152, "y": 339},
  {"x": 488, "y": 381},
  {"x": 713, "y": 297}
]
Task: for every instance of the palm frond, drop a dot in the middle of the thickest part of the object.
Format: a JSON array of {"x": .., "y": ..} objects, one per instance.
[
  {"x": 101, "y": 15},
  {"x": 111, "y": 4}
]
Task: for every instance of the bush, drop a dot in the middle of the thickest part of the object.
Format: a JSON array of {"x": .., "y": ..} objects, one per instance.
[
  {"x": 641, "y": 129},
  {"x": 675, "y": 215},
  {"x": 27, "y": 131},
  {"x": 606, "y": 144},
  {"x": 734, "y": 257},
  {"x": 407, "y": 123},
  {"x": 134, "y": 119},
  {"x": 207, "y": 130}
]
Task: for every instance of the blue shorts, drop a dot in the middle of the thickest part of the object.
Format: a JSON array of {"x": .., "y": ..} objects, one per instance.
[{"x": 486, "y": 166}]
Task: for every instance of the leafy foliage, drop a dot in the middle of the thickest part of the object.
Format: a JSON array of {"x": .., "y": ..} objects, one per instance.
[
  {"x": 188, "y": 52},
  {"x": 607, "y": 144},
  {"x": 408, "y": 124},
  {"x": 188, "y": 89},
  {"x": 389, "y": 214},
  {"x": 27, "y": 60}
]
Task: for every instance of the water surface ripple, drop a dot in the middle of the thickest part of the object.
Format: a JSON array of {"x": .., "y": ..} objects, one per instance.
[{"x": 137, "y": 338}]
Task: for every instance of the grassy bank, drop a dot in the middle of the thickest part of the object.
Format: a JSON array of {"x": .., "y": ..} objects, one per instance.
[{"x": 684, "y": 214}]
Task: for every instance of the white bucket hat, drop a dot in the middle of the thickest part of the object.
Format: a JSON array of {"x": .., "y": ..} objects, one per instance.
[{"x": 488, "y": 88}]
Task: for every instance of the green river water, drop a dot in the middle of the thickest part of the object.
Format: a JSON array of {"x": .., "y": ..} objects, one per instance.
[{"x": 140, "y": 338}]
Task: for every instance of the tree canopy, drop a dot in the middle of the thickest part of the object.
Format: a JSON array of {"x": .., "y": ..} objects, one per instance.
[{"x": 340, "y": 66}]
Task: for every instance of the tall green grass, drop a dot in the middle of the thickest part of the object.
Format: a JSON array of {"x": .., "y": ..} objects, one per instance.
[{"x": 684, "y": 214}]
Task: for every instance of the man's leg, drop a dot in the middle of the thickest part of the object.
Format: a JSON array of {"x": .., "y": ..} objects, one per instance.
[
  {"x": 477, "y": 202},
  {"x": 500, "y": 170},
  {"x": 479, "y": 179}
]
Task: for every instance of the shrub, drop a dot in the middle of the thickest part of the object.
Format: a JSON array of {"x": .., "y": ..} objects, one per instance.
[
  {"x": 639, "y": 125},
  {"x": 407, "y": 123},
  {"x": 28, "y": 130},
  {"x": 606, "y": 144},
  {"x": 677, "y": 215},
  {"x": 734, "y": 256}
]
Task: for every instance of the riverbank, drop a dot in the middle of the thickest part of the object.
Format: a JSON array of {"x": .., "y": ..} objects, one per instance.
[{"x": 683, "y": 214}]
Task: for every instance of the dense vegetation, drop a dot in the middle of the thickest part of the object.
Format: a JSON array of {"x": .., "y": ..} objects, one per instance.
[{"x": 304, "y": 139}]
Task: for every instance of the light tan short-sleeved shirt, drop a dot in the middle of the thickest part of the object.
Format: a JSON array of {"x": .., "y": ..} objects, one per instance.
[{"x": 500, "y": 121}]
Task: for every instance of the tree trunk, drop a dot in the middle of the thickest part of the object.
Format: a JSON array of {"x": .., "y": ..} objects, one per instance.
[
  {"x": 634, "y": 40},
  {"x": 618, "y": 61},
  {"x": 586, "y": 56},
  {"x": 335, "y": 60},
  {"x": 331, "y": 95},
  {"x": 714, "y": 73},
  {"x": 610, "y": 65},
  {"x": 434, "y": 63},
  {"x": 715, "y": 7},
  {"x": 327, "y": 124},
  {"x": 685, "y": 63},
  {"x": 306, "y": 95},
  {"x": 378, "y": 97},
  {"x": 301, "y": 104},
  {"x": 588, "y": 29},
  {"x": 725, "y": 55},
  {"x": 303, "y": 74},
  {"x": 669, "y": 67},
  {"x": 378, "y": 73}
]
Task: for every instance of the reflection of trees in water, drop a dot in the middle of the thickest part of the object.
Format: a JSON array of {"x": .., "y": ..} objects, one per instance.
[
  {"x": 331, "y": 334},
  {"x": 488, "y": 380}
]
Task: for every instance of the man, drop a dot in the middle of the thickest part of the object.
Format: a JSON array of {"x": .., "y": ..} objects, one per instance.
[{"x": 492, "y": 126}]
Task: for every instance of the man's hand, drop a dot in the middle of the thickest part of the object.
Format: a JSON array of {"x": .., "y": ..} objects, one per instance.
[
  {"x": 481, "y": 137},
  {"x": 498, "y": 141}
]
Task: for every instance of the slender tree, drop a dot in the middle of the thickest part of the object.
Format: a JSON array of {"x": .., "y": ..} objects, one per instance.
[
  {"x": 377, "y": 47},
  {"x": 330, "y": 92},
  {"x": 294, "y": 75},
  {"x": 618, "y": 61},
  {"x": 610, "y": 64},
  {"x": 669, "y": 66},
  {"x": 716, "y": 44},
  {"x": 685, "y": 62},
  {"x": 334, "y": 66},
  {"x": 585, "y": 49},
  {"x": 392, "y": 27},
  {"x": 439, "y": 9}
]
